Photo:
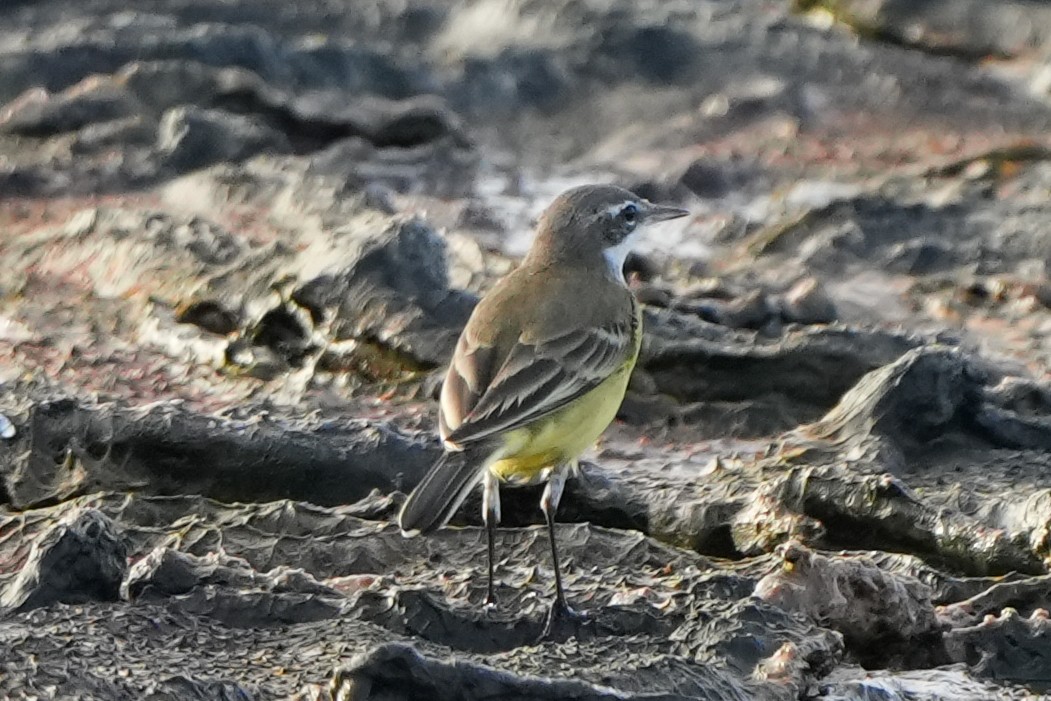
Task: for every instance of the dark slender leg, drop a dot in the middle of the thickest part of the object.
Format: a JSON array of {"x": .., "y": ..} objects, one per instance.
[
  {"x": 490, "y": 530},
  {"x": 560, "y": 609},
  {"x": 491, "y": 516},
  {"x": 560, "y": 593}
]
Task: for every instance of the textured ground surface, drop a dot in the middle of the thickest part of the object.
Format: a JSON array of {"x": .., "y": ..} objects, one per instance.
[{"x": 238, "y": 240}]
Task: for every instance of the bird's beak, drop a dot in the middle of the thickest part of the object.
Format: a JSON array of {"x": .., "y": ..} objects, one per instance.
[{"x": 657, "y": 212}]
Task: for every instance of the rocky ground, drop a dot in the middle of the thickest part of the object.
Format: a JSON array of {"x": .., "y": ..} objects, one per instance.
[{"x": 238, "y": 240}]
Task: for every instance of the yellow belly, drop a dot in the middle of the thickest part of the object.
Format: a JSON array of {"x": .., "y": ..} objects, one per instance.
[{"x": 563, "y": 435}]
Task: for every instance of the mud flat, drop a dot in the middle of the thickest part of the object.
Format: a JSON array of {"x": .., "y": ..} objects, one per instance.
[{"x": 238, "y": 241}]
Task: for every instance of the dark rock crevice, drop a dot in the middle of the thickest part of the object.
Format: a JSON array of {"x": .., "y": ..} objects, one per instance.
[{"x": 66, "y": 449}]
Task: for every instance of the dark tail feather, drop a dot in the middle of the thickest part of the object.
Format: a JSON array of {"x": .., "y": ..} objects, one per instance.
[{"x": 439, "y": 495}]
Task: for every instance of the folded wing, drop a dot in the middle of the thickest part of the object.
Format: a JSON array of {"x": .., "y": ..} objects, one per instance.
[{"x": 488, "y": 393}]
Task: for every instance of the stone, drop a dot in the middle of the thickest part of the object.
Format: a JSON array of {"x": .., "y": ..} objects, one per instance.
[
  {"x": 94, "y": 100},
  {"x": 82, "y": 558},
  {"x": 872, "y": 608},
  {"x": 190, "y": 138},
  {"x": 807, "y": 302}
]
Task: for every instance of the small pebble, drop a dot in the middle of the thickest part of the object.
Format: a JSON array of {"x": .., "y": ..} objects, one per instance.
[
  {"x": 808, "y": 303},
  {"x": 7, "y": 429},
  {"x": 750, "y": 311}
]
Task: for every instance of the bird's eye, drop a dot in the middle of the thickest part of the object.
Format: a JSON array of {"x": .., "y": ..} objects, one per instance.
[{"x": 630, "y": 213}]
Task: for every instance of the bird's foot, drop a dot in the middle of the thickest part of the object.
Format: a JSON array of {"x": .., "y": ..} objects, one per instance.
[{"x": 562, "y": 620}]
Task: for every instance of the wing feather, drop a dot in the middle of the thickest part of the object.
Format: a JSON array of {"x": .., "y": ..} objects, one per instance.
[
  {"x": 534, "y": 380},
  {"x": 465, "y": 382}
]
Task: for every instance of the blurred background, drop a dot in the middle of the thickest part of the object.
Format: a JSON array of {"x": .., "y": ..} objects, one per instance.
[{"x": 883, "y": 162}]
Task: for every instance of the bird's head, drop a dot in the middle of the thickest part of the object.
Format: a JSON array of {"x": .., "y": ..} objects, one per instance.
[{"x": 593, "y": 224}]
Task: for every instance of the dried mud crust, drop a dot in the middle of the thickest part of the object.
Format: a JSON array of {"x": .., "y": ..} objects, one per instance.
[
  {"x": 677, "y": 623},
  {"x": 238, "y": 243},
  {"x": 346, "y": 585}
]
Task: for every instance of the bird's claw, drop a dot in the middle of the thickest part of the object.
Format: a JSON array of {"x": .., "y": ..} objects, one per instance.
[{"x": 562, "y": 617}]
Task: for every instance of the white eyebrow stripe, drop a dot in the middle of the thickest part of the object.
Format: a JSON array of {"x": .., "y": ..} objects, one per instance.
[{"x": 615, "y": 209}]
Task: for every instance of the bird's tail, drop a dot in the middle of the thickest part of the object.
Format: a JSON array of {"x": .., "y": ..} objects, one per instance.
[{"x": 443, "y": 489}]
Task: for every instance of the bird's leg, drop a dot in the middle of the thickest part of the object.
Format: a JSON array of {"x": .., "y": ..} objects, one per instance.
[
  {"x": 491, "y": 516},
  {"x": 549, "y": 504}
]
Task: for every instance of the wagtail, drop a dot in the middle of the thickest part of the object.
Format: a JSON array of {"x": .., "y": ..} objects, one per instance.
[{"x": 541, "y": 367}]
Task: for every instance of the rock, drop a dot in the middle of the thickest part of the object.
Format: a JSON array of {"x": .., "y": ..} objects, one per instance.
[
  {"x": 711, "y": 287},
  {"x": 695, "y": 362},
  {"x": 765, "y": 523},
  {"x": 375, "y": 293},
  {"x": 1028, "y": 595},
  {"x": 164, "y": 448},
  {"x": 7, "y": 429},
  {"x": 654, "y": 295},
  {"x": 394, "y": 295},
  {"x": 929, "y": 391},
  {"x": 967, "y": 28},
  {"x": 885, "y": 428},
  {"x": 844, "y": 486},
  {"x": 478, "y": 216},
  {"x": 948, "y": 681},
  {"x": 312, "y": 257},
  {"x": 657, "y": 52},
  {"x": 907, "y": 235},
  {"x": 310, "y": 122},
  {"x": 807, "y": 302},
  {"x": 787, "y": 667},
  {"x": 165, "y": 84},
  {"x": 747, "y": 100},
  {"x": 705, "y": 180},
  {"x": 82, "y": 558},
  {"x": 96, "y": 139},
  {"x": 515, "y": 76},
  {"x": 1043, "y": 294},
  {"x": 1005, "y": 647},
  {"x": 126, "y": 251},
  {"x": 94, "y": 100},
  {"x": 165, "y": 572},
  {"x": 411, "y": 123},
  {"x": 182, "y": 688},
  {"x": 641, "y": 267},
  {"x": 752, "y": 311},
  {"x": 256, "y": 608},
  {"x": 209, "y": 315},
  {"x": 920, "y": 257},
  {"x": 874, "y": 610},
  {"x": 398, "y": 670},
  {"x": 363, "y": 583},
  {"x": 920, "y": 395},
  {"x": 190, "y": 138}
]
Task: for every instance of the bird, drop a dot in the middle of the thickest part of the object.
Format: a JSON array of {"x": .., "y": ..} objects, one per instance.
[{"x": 540, "y": 369}]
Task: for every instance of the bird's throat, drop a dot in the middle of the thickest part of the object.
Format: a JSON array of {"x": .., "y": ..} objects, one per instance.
[{"x": 616, "y": 256}]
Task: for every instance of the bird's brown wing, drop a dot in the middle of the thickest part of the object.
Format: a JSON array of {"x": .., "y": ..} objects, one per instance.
[{"x": 488, "y": 392}]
